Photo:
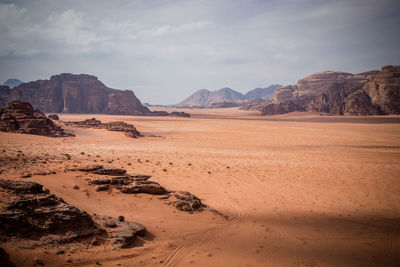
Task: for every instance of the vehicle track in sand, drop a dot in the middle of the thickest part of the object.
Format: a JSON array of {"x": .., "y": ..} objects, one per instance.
[{"x": 198, "y": 239}]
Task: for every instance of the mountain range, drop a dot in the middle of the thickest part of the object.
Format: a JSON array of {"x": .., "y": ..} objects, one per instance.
[{"x": 206, "y": 98}]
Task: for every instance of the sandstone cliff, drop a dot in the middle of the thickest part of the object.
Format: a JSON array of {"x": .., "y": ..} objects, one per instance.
[
  {"x": 70, "y": 93},
  {"x": 367, "y": 93}
]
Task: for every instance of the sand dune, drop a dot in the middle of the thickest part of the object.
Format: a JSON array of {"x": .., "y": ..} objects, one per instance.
[{"x": 297, "y": 190}]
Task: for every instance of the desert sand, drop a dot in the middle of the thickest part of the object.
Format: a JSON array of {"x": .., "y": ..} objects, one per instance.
[{"x": 295, "y": 190}]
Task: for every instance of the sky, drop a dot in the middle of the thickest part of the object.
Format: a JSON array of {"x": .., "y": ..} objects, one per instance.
[{"x": 165, "y": 50}]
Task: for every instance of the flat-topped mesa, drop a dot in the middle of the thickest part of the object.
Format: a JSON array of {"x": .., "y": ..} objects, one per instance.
[
  {"x": 117, "y": 126},
  {"x": 75, "y": 93},
  {"x": 20, "y": 117}
]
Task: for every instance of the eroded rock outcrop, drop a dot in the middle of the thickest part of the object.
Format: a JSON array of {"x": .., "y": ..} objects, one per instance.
[
  {"x": 29, "y": 212},
  {"x": 117, "y": 126},
  {"x": 72, "y": 93},
  {"x": 20, "y": 117},
  {"x": 32, "y": 217},
  {"x": 338, "y": 93}
]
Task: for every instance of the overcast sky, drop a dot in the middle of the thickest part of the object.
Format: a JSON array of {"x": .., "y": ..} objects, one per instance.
[{"x": 165, "y": 50}]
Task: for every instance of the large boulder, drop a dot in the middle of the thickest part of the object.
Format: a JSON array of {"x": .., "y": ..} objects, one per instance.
[{"x": 20, "y": 117}]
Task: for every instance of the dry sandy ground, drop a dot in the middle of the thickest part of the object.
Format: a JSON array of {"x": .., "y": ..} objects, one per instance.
[{"x": 299, "y": 189}]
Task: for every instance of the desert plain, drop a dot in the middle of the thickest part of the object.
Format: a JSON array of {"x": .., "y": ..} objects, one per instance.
[{"x": 291, "y": 190}]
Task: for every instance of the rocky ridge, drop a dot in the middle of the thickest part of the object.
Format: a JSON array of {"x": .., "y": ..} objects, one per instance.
[
  {"x": 20, "y": 117},
  {"x": 117, "y": 126},
  {"x": 32, "y": 217},
  {"x": 138, "y": 183}
]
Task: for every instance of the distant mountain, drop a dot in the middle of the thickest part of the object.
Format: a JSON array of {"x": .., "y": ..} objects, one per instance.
[
  {"x": 262, "y": 93},
  {"x": 12, "y": 83},
  {"x": 205, "y": 98}
]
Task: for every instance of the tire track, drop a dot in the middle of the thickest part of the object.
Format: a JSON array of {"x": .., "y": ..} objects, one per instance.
[{"x": 198, "y": 239}]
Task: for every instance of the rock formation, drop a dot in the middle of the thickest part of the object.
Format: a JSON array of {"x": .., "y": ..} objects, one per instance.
[
  {"x": 29, "y": 212},
  {"x": 20, "y": 117},
  {"x": 367, "y": 93},
  {"x": 384, "y": 89},
  {"x": 117, "y": 126},
  {"x": 32, "y": 217},
  {"x": 70, "y": 93},
  {"x": 256, "y": 104},
  {"x": 137, "y": 183}
]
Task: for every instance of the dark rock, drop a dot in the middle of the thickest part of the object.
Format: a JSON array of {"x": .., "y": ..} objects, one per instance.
[
  {"x": 20, "y": 117},
  {"x": 281, "y": 108},
  {"x": 121, "y": 218},
  {"x": 54, "y": 117},
  {"x": 146, "y": 187},
  {"x": 39, "y": 262},
  {"x": 88, "y": 168},
  {"x": 100, "y": 181},
  {"x": 186, "y": 201},
  {"x": 103, "y": 187},
  {"x": 109, "y": 171},
  {"x": 29, "y": 212},
  {"x": 70, "y": 93},
  {"x": 179, "y": 114},
  {"x": 75, "y": 187}
]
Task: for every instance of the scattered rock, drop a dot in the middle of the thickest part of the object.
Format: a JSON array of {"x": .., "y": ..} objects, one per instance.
[
  {"x": 76, "y": 187},
  {"x": 20, "y": 117}
]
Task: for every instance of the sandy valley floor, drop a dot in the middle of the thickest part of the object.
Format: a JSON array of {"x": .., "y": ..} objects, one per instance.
[{"x": 297, "y": 189}]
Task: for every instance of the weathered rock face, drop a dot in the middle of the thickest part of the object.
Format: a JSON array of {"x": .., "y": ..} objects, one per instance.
[
  {"x": 33, "y": 216},
  {"x": 186, "y": 201},
  {"x": 384, "y": 89},
  {"x": 318, "y": 83},
  {"x": 30, "y": 212},
  {"x": 117, "y": 126},
  {"x": 257, "y": 104},
  {"x": 70, "y": 93},
  {"x": 282, "y": 108},
  {"x": 344, "y": 99},
  {"x": 20, "y": 117},
  {"x": 367, "y": 93}
]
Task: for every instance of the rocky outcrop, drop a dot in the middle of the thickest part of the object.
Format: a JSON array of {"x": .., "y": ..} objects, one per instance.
[
  {"x": 27, "y": 211},
  {"x": 318, "y": 83},
  {"x": 282, "y": 108},
  {"x": 186, "y": 201},
  {"x": 20, "y": 117},
  {"x": 179, "y": 114},
  {"x": 339, "y": 93},
  {"x": 71, "y": 93},
  {"x": 384, "y": 89},
  {"x": 138, "y": 183},
  {"x": 344, "y": 99},
  {"x": 117, "y": 126},
  {"x": 53, "y": 117},
  {"x": 224, "y": 104},
  {"x": 32, "y": 217}
]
